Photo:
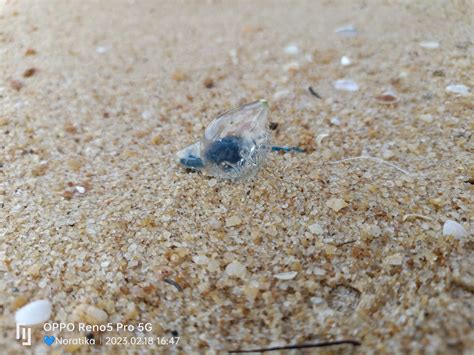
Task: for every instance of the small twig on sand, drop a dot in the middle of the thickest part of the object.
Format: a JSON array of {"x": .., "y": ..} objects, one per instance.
[
  {"x": 314, "y": 93},
  {"x": 173, "y": 283},
  {"x": 301, "y": 346},
  {"x": 345, "y": 243},
  {"x": 378, "y": 160}
]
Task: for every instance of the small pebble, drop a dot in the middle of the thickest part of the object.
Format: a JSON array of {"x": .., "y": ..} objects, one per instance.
[
  {"x": 429, "y": 44},
  {"x": 146, "y": 115},
  {"x": 348, "y": 30},
  {"x": 346, "y": 85},
  {"x": 281, "y": 94},
  {"x": 395, "y": 259},
  {"x": 212, "y": 182},
  {"x": 201, "y": 259},
  {"x": 292, "y": 67},
  {"x": 101, "y": 49},
  {"x": 36, "y": 312},
  {"x": 233, "y": 221},
  {"x": 336, "y": 121},
  {"x": 292, "y": 49},
  {"x": 80, "y": 189},
  {"x": 29, "y": 72},
  {"x": 454, "y": 229},
  {"x": 387, "y": 97},
  {"x": 214, "y": 223},
  {"x": 458, "y": 89},
  {"x": 208, "y": 83},
  {"x": 235, "y": 269},
  {"x": 336, "y": 204},
  {"x": 89, "y": 314},
  {"x": 286, "y": 275},
  {"x": 345, "y": 61},
  {"x": 426, "y": 118},
  {"x": 316, "y": 228}
]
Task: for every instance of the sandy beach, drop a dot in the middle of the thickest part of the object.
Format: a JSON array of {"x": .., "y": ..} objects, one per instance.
[{"x": 96, "y": 216}]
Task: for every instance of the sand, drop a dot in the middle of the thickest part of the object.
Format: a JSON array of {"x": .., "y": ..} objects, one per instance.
[{"x": 96, "y": 98}]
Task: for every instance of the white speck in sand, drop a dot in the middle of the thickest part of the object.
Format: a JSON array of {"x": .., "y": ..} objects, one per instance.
[
  {"x": 286, "y": 275},
  {"x": 348, "y": 30},
  {"x": 292, "y": 49},
  {"x": 146, "y": 115},
  {"x": 458, "y": 89},
  {"x": 336, "y": 121},
  {"x": 281, "y": 94},
  {"x": 345, "y": 61},
  {"x": 102, "y": 49},
  {"x": 80, "y": 189},
  {"x": 346, "y": 85},
  {"x": 34, "y": 313},
  {"x": 454, "y": 228},
  {"x": 235, "y": 269},
  {"x": 429, "y": 44}
]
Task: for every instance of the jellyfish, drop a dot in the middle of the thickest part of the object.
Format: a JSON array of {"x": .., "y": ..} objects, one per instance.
[{"x": 234, "y": 145}]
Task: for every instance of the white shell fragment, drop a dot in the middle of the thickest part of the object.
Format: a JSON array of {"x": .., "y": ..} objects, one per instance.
[
  {"x": 458, "y": 89},
  {"x": 235, "y": 269},
  {"x": 292, "y": 49},
  {"x": 33, "y": 313},
  {"x": 286, "y": 275},
  {"x": 429, "y": 44},
  {"x": 345, "y": 61},
  {"x": 346, "y": 85},
  {"x": 454, "y": 229},
  {"x": 348, "y": 31}
]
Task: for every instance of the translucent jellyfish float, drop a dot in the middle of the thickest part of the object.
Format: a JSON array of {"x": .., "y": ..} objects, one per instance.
[{"x": 234, "y": 145}]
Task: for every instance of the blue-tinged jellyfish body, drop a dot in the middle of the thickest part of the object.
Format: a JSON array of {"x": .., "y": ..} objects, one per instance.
[{"x": 225, "y": 150}]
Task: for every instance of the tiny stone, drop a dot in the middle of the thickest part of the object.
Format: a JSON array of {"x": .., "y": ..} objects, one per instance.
[
  {"x": 208, "y": 83},
  {"x": 345, "y": 61},
  {"x": 292, "y": 49},
  {"x": 214, "y": 223},
  {"x": 235, "y": 269},
  {"x": 146, "y": 115},
  {"x": 335, "y": 121},
  {"x": 101, "y": 49},
  {"x": 427, "y": 118},
  {"x": 201, "y": 259},
  {"x": 80, "y": 189},
  {"x": 454, "y": 229},
  {"x": 336, "y": 204},
  {"x": 429, "y": 44},
  {"x": 233, "y": 221},
  {"x": 39, "y": 170},
  {"x": 251, "y": 292},
  {"x": 212, "y": 182},
  {"x": 395, "y": 259},
  {"x": 213, "y": 266},
  {"x": 316, "y": 229},
  {"x": 281, "y": 95},
  {"x": 89, "y": 314},
  {"x": 29, "y": 72},
  {"x": 346, "y": 85},
  {"x": 292, "y": 67},
  {"x": 348, "y": 31},
  {"x": 286, "y": 275},
  {"x": 36, "y": 312},
  {"x": 458, "y": 89}
]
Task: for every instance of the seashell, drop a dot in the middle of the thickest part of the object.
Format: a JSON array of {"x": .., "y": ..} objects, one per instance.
[
  {"x": 454, "y": 229},
  {"x": 387, "y": 98},
  {"x": 234, "y": 145},
  {"x": 346, "y": 85},
  {"x": 460, "y": 89},
  {"x": 36, "y": 312}
]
